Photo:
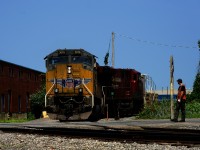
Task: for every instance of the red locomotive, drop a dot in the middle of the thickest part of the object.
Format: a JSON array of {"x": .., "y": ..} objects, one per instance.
[{"x": 122, "y": 91}]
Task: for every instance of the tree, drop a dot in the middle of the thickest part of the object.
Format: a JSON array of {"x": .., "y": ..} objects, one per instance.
[
  {"x": 198, "y": 67},
  {"x": 195, "y": 95},
  {"x": 37, "y": 102}
]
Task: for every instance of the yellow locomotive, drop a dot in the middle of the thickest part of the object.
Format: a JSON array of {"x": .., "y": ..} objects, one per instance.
[
  {"x": 71, "y": 89},
  {"x": 77, "y": 88}
]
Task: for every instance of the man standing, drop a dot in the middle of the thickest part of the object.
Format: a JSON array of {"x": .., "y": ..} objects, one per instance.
[{"x": 180, "y": 105}]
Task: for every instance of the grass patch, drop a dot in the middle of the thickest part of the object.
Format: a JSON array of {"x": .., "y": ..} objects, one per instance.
[
  {"x": 162, "y": 110},
  {"x": 193, "y": 109},
  {"x": 14, "y": 121},
  {"x": 30, "y": 117}
]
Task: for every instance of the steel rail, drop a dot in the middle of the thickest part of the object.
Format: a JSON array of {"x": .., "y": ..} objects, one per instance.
[{"x": 176, "y": 137}]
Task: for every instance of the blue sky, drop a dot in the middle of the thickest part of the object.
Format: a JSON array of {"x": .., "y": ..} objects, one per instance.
[{"x": 31, "y": 29}]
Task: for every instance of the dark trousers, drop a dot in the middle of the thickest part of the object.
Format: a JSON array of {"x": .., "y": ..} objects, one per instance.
[{"x": 180, "y": 106}]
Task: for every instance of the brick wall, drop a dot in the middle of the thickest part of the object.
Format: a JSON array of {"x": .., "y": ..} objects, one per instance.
[{"x": 17, "y": 83}]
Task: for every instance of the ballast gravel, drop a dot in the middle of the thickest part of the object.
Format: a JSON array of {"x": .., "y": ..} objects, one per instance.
[{"x": 16, "y": 141}]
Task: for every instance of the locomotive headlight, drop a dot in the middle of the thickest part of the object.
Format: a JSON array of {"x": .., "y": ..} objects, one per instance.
[
  {"x": 69, "y": 69},
  {"x": 56, "y": 90},
  {"x": 80, "y": 91}
]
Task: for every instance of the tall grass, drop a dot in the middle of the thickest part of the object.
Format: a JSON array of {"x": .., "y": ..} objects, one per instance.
[
  {"x": 193, "y": 109},
  {"x": 162, "y": 110},
  {"x": 30, "y": 117}
]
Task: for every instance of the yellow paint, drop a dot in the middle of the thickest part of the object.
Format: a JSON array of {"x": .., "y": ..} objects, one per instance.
[
  {"x": 60, "y": 72},
  {"x": 44, "y": 114}
]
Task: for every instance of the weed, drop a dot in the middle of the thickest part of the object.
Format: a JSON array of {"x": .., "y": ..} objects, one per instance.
[{"x": 162, "y": 110}]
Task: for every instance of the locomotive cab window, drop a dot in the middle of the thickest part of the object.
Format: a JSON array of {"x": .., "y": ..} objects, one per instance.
[
  {"x": 51, "y": 62},
  {"x": 59, "y": 60},
  {"x": 135, "y": 77},
  {"x": 82, "y": 59}
]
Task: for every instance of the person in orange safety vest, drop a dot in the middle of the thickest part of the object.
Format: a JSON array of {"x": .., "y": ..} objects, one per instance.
[{"x": 181, "y": 99}]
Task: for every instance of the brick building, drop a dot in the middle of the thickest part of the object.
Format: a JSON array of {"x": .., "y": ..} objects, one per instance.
[{"x": 17, "y": 83}]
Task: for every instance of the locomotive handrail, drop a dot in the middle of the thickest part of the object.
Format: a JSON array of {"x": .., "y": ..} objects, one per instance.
[
  {"x": 104, "y": 96},
  {"x": 54, "y": 82},
  {"x": 89, "y": 92}
]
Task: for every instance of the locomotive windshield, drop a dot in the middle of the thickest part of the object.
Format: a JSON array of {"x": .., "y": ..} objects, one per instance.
[
  {"x": 56, "y": 60},
  {"x": 69, "y": 57},
  {"x": 82, "y": 59},
  {"x": 61, "y": 60},
  {"x": 50, "y": 62},
  {"x": 74, "y": 59}
]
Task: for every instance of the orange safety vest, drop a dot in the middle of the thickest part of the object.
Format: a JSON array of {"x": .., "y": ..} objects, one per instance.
[{"x": 181, "y": 94}]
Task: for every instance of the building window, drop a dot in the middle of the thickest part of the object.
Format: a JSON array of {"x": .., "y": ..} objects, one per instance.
[
  {"x": 1, "y": 69},
  {"x": 29, "y": 75},
  {"x": 27, "y": 101},
  {"x": 36, "y": 77},
  {"x": 20, "y": 74},
  {"x": 2, "y": 103},
  {"x": 9, "y": 99},
  {"x": 10, "y": 72},
  {"x": 19, "y": 103},
  {"x": 43, "y": 77}
]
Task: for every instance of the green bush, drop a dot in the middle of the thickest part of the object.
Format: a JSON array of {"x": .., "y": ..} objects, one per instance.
[
  {"x": 37, "y": 102},
  {"x": 162, "y": 110},
  {"x": 195, "y": 95},
  {"x": 30, "y": 116},
  {"x": 158, "y": 110},
  {"x": 193, "y": 109}
]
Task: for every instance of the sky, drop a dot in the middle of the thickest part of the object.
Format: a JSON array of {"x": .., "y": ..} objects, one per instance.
[{"x": 147, "y": 33}]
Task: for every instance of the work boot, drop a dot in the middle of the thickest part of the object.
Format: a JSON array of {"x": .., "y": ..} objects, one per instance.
[
  {"x": 182, "y": 117},
  {"x": 182, "y": 120},
  {"x": 174, "y": 120}
]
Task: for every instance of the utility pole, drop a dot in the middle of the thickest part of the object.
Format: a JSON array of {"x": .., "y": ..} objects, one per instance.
[
  {"x": 172, "y": 86},
  {"x": 113, "y": 50}
]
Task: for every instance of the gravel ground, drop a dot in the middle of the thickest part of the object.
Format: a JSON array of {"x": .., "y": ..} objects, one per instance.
[{"x": 16, "y": 141}]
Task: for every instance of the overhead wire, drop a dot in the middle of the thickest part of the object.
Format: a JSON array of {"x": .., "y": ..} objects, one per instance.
[{"x": 156, "y": 43}]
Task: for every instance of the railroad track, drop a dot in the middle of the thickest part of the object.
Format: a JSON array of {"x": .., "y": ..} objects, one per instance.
[{"x": 175, "y": 137}]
